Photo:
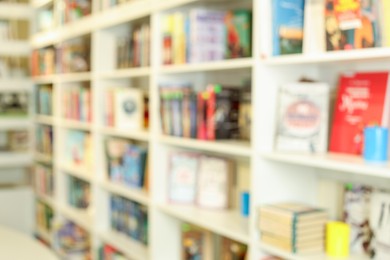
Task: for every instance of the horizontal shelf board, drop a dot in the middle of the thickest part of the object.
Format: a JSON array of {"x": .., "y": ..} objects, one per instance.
[
  {"x": 44, "y": 79},
  {"x": 40, "y": 3},
  {"x": 226, "y": 223},
  {"x": 78, "y": 216},
  {"x": 44, "y": 158},
  {"x": 137, "y": 195},
  {"x": 231, "y": 147},
  {"x": 77, "y": 76},
  {"x": 15, "y": 11},
  {"x": 10, "y": 159},
  {"x": 128, "y": 246},
  {"x": 43, "y": 234},
  {"x": 328, "y": 57},
  {"x": 319, "y": 256},
  {"x": 123, "y": 13},
  {"x": 332, "y": 161},
  {"x": 74, "y": 124},
  {"x": 230, "y": 64},
  {"x": 10, "y": 84},
  {"x": 126, "y": 73},
  {"x": 15, "y": 48},
  {"x": 44, "y": 119},
  {"x": 15, "y": 122},
  {"x": 136, "y": 135},
  {"x": 77, "y": 171},
  {"x": 164, "y": 5},
  {"x": 46, "y": 199},
  {"x": 45, "y": 38}
]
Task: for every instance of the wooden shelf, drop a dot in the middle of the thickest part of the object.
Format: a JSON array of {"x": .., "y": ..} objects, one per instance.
[
  {"x": 78, "y": 172},
  {"x": 334, "y": 162},
  {"x": 11, "y": 159},
  {"x": 330, "y": 57},
  {"x": 74, "y": 124},
  {"x": 78, "y": 216},
  {"x": 15, "y": 47},
  {"x": 134, "y": 194},
  {"x": 128, "y": 246},
  {"x": 40, "y": 3},
  {"x": 44, "y": 119},
  {"x": 46, "y": 199},
  {"x": 231, "y": 64},
  {"x": 227, "y": 223},
  {"x": 228, "y": 147},
  {"x": 44, "y": 158},
  {"x": 136, "y": 135},
  {"x": 10, "y": 84},
  {"x": 22, "y": 122},
  {"x": 125, "y": 73},
  {"x": 15, "y": 11}
]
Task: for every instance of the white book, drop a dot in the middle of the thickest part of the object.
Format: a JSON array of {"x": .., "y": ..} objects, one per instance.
[
  {"x": 314, "y": 27},
  {"x": 302, "y": 122},
  {"x": 214, "y": 182},
  {"x": 129, "y": 109}
]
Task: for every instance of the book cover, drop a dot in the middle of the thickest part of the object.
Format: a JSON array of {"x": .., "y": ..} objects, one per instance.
[
  {"x": 356, "y": 213},
  {"x": 129, "y": 109},
  {"x": 380, "y": 224},
  {"x": 196, "y": 243},
  {"x": 303, "y": 112},
  {"x": 215, "y": 180},
  {"x": 182, "y": 178},
  {"x": 362, "y": 100},
  {"x": 239, "y": 33},
  {"x": 134, "y": 160},
  {"x": 287, "y": 28},
  {"x": 232, "y": 250}
]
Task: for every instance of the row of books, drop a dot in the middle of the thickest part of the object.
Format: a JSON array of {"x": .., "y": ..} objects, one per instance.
[
  {"x": 77, "y": 102},
  {"x": 78, "y": 148},
  {"x": 304, "y": 114},
  {"x": 69, "y": 57},
  {"x": 126, "y": 108},
  {"x": 79, "y": 193},
  {"x": 71, "y": 241},
  {"x": 73, "y": 10},
  {"x": 44, "y": 179},
  {"x": 13, "y": 67},
  {"x": 198, "y": 243},
  {"x": 126, "y": 163},
  {"x": 293, "y": 227},
  {"x": 202, "y": 35},
  {"x": 14, "y": 104},
  {"x": 14, "y": 30},
  {"x": 44, "y": 139},
  {"x": 129, "y": 218},
  {"x": 215, "y": 113},
  {"x": 107, "y": 252},
  {"x": 44, "y": 216},
  {"x": 45, "y": 100},
  {"x": 304, "y": 26},
  {"x": 204, "y": 181},
  {"x": 133, "y": 50},
  {"x": 14, "y": 141}
]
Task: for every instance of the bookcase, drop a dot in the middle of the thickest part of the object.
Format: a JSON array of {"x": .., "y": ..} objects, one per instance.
[{"x": 269, "y": 176}]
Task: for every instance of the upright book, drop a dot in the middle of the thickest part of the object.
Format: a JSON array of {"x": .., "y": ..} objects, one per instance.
[{"x": 362, "y": 99}]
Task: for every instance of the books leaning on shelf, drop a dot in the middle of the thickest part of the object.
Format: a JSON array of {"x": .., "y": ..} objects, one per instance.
[
  {"x": 126, "y": 163},
  {"x": 44, "y": 139},
  {"x": 109, "y": 252},
  {"x": 45, "y": 100},
  {"x": 78, "y": 150},
  {"x": 202, "y": 35},
  {"x": 134, "y": 50},
  {"x": 77, "y": 102},
  {"x": 43, "y": 61},
  {"x": 362, "y": 100},
  {"x": 79, "y": 193},
  {"x": 293, "y": 227},
  {"x": 207, "y": 115},
  {"x": 129, "y": 218},
  {"x": 44, "y": 181},
  {"x": 14, "y": 141},
  {"x": 302, "y": 124},
  {"x": 71, "y": 240},
  {"x": 126, "y": 109},
  {"x": 74, "y": 55},
  {"x": 201, "y": 180},
  {"x": 14, "y": 104},
  {"x": 44, "y": 217}
]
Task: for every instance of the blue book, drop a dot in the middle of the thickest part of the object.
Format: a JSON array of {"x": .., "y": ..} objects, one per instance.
[
  {"x": 134, "y": 162},
  {"x": 287, "y": 29}
]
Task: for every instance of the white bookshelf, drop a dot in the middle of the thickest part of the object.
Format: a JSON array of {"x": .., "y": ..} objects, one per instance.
[{"x": 272, "y": 177}]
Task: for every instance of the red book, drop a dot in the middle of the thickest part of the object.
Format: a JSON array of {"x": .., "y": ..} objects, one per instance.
[
  {"x": 211, "y": 108},
  {"x": 202, "y": 135},
  {"x": 362, "y": 99}
]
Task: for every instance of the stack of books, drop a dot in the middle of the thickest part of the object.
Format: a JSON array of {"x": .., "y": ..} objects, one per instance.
[{"x": 293, "y": 227}]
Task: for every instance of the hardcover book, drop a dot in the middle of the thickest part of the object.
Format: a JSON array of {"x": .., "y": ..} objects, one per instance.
[
  {"x": 380, "y": 224},
  {"x": 239, "y": 33},
  {"x": 215, "y": 180},
  {"x": 196, "y": 243},
  {"x": 129, "y": 109},
  {"x": 287, "y": 28},
  {"x": 182, "y": 177},
  {"x": 302, "y": 124},
  {"x": 362, "y": 100}
]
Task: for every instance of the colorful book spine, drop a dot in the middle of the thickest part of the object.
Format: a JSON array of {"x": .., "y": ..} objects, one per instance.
[
  {"x": 77, "y": 103},
  {"x": 44, "y": 181}
]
